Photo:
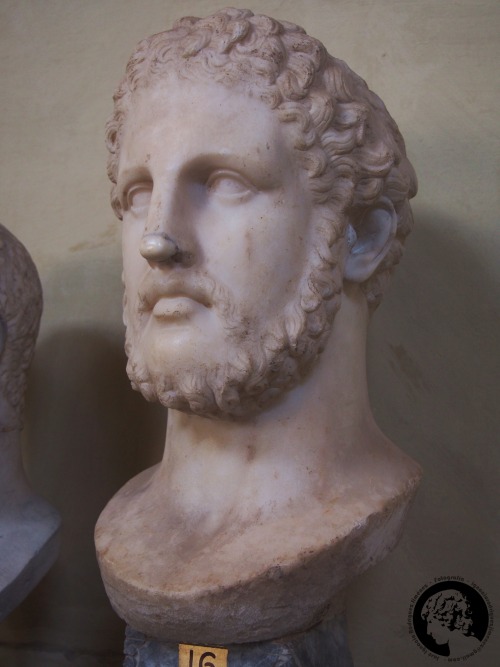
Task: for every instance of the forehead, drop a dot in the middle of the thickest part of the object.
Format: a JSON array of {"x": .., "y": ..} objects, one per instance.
[{"x": 184, "y": 118}]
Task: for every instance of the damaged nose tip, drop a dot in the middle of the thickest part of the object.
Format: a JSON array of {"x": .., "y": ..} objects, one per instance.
[{"x": 158, "y": 247}]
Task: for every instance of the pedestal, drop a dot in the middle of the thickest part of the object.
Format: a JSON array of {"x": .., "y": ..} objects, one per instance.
[
  {"x": 29, "y": 544},
  {"x": 324, "y": 645}
]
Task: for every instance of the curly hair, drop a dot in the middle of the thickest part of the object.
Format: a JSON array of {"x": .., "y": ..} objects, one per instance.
[
  {"x": 350, "y": 146},
  {"x": 20, "y": 313},
  {"x": 451, "y": 609}
]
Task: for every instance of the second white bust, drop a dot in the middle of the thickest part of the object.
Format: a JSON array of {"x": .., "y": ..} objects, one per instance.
[{"x": 264, "y": 195}]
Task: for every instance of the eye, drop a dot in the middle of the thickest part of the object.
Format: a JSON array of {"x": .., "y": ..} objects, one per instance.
[
  {"x": 138, "y": 198},
  {"x": 229, "y": 186}
]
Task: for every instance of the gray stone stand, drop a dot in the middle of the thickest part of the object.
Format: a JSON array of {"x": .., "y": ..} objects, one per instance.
[{"x": 324, "y": 645}]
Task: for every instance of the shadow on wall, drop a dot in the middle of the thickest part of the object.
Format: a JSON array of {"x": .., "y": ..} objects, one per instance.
[
  {"x": 435, "y": 384},
  {"x": 433, "y": 368},
  {"x": 87, "y": 433}
]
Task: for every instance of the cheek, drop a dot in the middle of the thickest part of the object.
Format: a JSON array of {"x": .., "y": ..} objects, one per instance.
[
  {"x": 257, "y": 266},
  {"x": 134, "y": 264},
  {"x": 282, "y": 247},
  {"x": 131, "y": 240},
  {"x": 131, "y": 315}
]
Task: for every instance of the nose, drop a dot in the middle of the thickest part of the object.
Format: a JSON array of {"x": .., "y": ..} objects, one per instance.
[
  {"x": 159, "y": 247},
  {"x": 167, "y": 239}
]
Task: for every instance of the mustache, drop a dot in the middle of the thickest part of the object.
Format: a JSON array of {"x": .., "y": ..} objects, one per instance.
[
  {"x": 202, "y": 288},
  {"x": 153, "y": 287}
]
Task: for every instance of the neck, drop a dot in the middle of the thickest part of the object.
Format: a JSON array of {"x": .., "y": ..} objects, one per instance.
[{"x": 302, "y": 452}]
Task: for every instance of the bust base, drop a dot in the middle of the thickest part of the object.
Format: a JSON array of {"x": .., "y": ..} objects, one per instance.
[
  {"x": 324, "y": 644},
  {"x": 29, "y": 545},
  {"x": 221, "y": 595}
]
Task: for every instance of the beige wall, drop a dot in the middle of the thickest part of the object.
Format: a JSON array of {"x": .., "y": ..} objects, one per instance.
[{"x": 433, "y": 363}]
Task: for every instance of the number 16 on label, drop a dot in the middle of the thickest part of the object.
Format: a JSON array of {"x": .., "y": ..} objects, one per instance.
[{"x": 202, "y": 656}]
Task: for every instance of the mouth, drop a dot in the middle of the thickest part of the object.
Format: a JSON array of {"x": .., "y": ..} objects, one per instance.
[{"x": 171, "y": 296}]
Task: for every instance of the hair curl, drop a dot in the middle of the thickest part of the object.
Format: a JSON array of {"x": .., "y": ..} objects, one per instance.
[{"x": 346, "y": 140}]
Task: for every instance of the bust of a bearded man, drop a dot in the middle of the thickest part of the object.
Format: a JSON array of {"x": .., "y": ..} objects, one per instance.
[{"x": 263, "y": 190}]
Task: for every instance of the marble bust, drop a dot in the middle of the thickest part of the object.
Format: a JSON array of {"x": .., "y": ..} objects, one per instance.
[
  {"x": 29, "y": 526},
  {"x": 264, "y": 195}
]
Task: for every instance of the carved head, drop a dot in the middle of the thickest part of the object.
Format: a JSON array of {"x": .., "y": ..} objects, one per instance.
[
  {"x": 445, "y": 612},
  {"x": 20, "y": 313},
  {"x": 345, "y": 177}
]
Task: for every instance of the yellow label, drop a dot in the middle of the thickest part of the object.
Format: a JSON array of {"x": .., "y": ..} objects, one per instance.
[{"x": 202, "y": 656}]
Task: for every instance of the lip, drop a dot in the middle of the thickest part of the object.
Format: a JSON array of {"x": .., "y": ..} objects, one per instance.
[
  {"x": 174, "y": 307},
  {"x": 171, "y": 296}
]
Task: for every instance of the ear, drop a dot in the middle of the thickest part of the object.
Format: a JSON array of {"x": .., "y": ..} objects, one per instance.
[{"x": 370, "y": 240}]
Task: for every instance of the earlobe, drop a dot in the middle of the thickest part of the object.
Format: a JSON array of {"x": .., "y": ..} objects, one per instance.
[{"x": 369, "y": 241}]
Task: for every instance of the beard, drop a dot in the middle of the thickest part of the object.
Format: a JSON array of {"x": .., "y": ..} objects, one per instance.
[{"x": 255, "y": 365}]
